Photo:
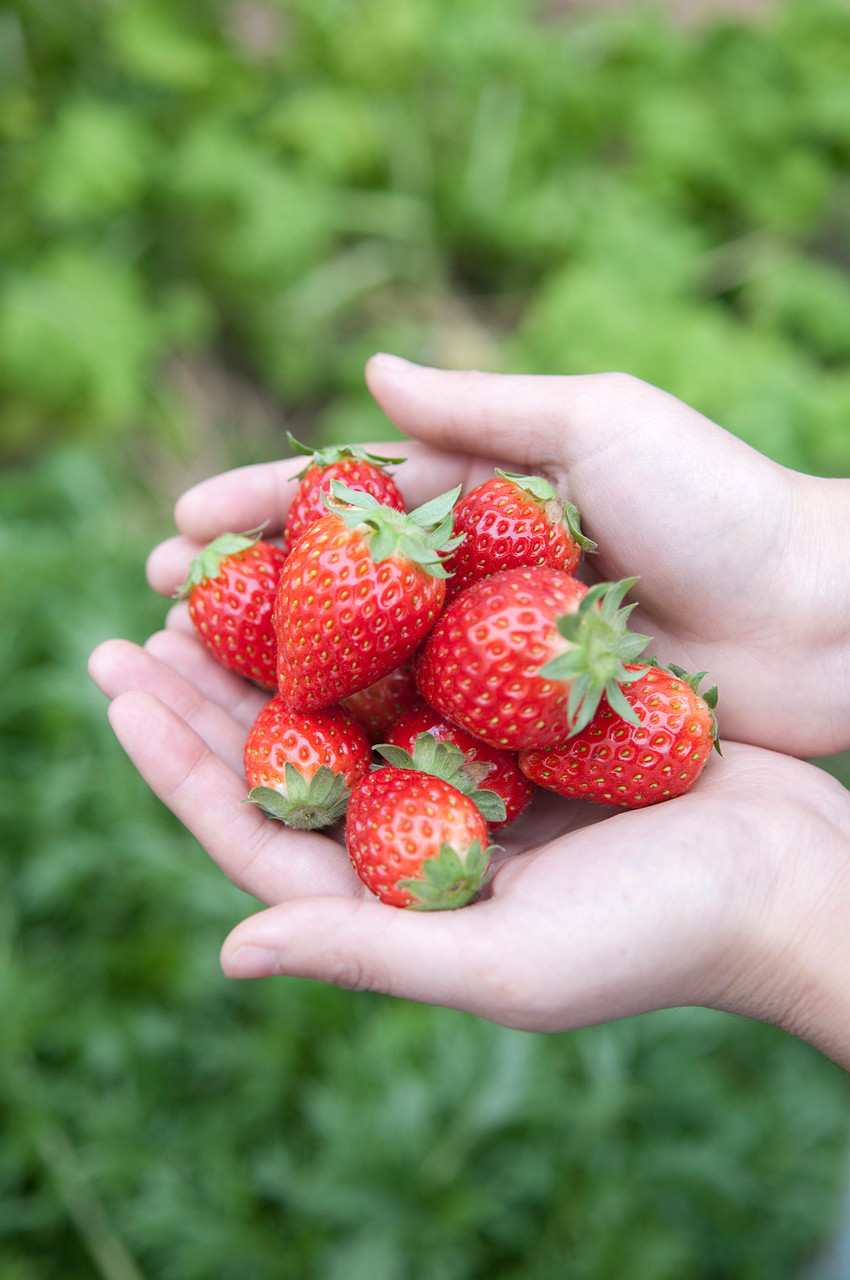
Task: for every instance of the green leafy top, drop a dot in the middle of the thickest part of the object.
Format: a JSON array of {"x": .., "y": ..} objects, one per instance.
[
  {"x": 423, "y": 536},
  {"x": 206, "y": 565},
  {"x": 556, "y": 508},
  {"x": 450, "y": 880},
  {"x": 693, "y": 679},
  {"x": 445, "y": 760},
  {"x": 600, "y": 643},
  {"x": 307, "y": 804},
  {"x": 335, "y": 453}
]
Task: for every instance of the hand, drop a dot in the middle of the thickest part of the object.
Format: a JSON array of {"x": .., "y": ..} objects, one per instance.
[
  {"x": 733, "y": 896},
  {"x": 743, "y": 566}
]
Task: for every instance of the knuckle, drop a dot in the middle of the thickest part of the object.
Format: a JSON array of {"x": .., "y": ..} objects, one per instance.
[
  {"x": 350, "y": 973},
  {"x": 618, "y": 383}
]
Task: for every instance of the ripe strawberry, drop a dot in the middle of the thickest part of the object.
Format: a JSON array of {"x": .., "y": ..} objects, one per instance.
[
  {"x": 416, "y": 841},
  {"x": 379, "y": 706},
  {"x": 522, "y": 658},
  {"x": 617, "y": 763},
  {"x": 503, "y": 774},
  {"x": 353, "y": 466},
  {"x": 359, "y": 591},
  {"x": 231, "y": 589},
  {"x": 302, "y": 766},
  {"x": 512, "y": 521}
]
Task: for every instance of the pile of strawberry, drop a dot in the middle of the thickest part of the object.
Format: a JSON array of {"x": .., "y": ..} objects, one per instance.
[{"x": 453, "y": 643}]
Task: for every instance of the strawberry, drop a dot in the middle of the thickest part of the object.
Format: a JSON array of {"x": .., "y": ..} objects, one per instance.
[
  {"x": 231, "y": 588},
  {"x": 511, "y": 521},
  {"x": 503, "y": 775},
  {"x": 379, "y": 706},
  {"x": 522, "y": 658},
  {"x": 615, "y": 762},
  {"x": 301, "y": 766},
  {"x": 358, "y": 593},
  {"x": 353, "y": 466},
  {"x": 414, "y": 839}
]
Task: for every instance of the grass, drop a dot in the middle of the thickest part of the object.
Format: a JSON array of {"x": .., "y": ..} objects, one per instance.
[{"x": 201, "y": 238}]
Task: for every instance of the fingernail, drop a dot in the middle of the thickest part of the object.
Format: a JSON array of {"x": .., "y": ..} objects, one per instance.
[
  {"x": 387, "y": 361},
  {"x": 251, "y": 962}
]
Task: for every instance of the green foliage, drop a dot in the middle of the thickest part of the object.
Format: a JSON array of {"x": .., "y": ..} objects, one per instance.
[
  {"x": 276, "y": 190},
  {"x": 286, "y": 187}
]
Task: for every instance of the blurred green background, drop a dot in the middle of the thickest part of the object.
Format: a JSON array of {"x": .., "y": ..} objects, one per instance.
[{"x": 211, "y": 213}]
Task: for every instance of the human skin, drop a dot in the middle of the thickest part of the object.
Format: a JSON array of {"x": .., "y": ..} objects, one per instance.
[{"x": 734, "y": 896}]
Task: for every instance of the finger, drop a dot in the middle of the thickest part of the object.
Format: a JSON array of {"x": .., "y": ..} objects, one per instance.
[
  {"x": 238, "y": 500},
  {"x": 432, "y": 957},
  {"x": 249, "y": 496},
  {"x": 186, "y": 655},
  {"x": 179, "y": 619},
  {"x": 168, "y": 564},
  {"x": 261, "y": 856},
  {"x": 528, "y": 418},
  {"x": 117, "y": 667}
]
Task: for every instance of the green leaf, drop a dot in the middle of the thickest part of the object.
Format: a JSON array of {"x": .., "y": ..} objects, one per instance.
[
  {"x": 446, "y": 760},
  {"x": 433, "y": 513},
  {"x": 450, "y": 880},
  {"x": 206, "y": 565},
  {"x": 599, "y": 644},
  {"x": 301, "y": 803}
]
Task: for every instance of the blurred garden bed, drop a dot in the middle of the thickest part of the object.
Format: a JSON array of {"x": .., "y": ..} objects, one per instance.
[{"x": 210, "y": 215}]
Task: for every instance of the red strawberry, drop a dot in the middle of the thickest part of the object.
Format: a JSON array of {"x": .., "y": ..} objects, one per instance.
[
  {"x": 618, "y": 763},
  {"x": 355, "y": 467},
  {"x": 416, "y": 841},
  {"x": 511, "y": 521},
  {"x": 522, "y": 658},
  {"x": 301, "y": 766},
  {"x": 359, "y": 591},
  {"x": 231, "y": 589},
  {"x": 379, "y": 706},
  {"x": 503, "y": 776}
]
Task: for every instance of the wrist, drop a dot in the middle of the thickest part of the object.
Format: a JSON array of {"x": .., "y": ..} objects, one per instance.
[
  {"x": 794, "y": 968},
  {"x": 822, "y": 590}
]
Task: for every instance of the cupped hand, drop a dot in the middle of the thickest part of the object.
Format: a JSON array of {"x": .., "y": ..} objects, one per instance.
[
  {"x": 741, "y": 562},
  {"x": 732, "y": 896}
]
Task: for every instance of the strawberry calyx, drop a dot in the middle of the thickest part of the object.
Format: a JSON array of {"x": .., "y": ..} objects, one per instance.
[
  {"x": 600, "y": 644},
  {"x": 423, "y": 536},
  {"x": 693, "y": 680},
  {"x": 334, "y": 453},
  {"x": 445, "y": 760},
  {"x": 206, "y": 565},
  {"x": 304, "y": 803},
  {"x": 556, "y": 508},
  {"x": 449, "y": 880}
]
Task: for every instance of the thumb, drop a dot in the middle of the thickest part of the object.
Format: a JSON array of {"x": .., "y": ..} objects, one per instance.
[
  {"x": 586, "y": 425},
  {"x": 521, "y": 418},
  {"x": 441, "y": 958}
]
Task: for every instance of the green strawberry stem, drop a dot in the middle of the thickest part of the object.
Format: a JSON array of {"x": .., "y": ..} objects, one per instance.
[
  {"x": 306, "y": 804},
  {"x": 423, "y": 536},
  {"x": 693, "y": 680},
  {"x": 445, "y": 760},
  {"x": 600, "y": 644},
  {"x": 450, "y": 880},
  {"x": 555, "y": 507},
  {"x": 206, "y": 565},
  {"x": 335, "y": 453}
]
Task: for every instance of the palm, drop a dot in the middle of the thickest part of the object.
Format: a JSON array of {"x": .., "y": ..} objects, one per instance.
[{"x": 592, "y": 914}]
